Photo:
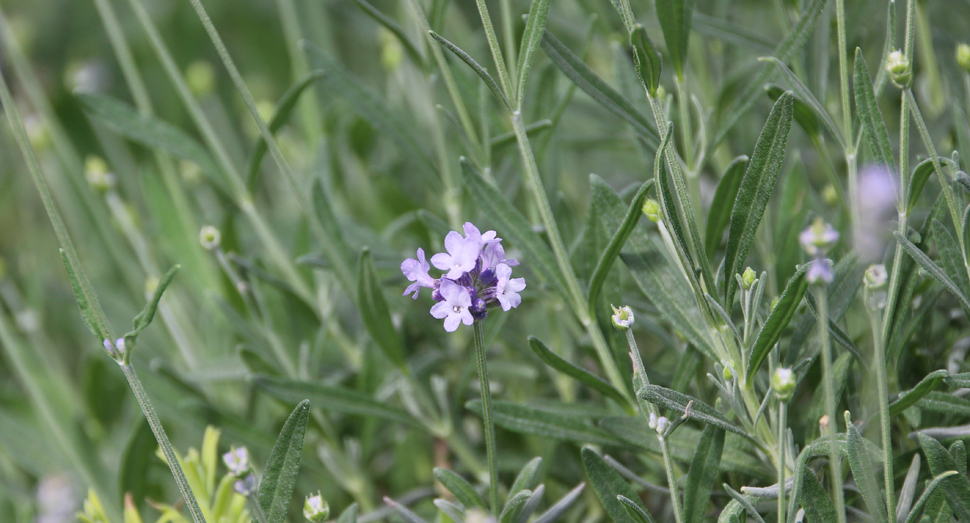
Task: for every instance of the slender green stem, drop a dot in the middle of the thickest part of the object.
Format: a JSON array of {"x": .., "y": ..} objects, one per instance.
[
  {"x": 828, "y": 384},
  {"x": 508, "y": 33},
  {"x": 850, "y": 151},
  {"x": 487, "y": 417},
  {"x": 170, "y": 457},
  {"x": 258, "y": 514},
  {"x": 562, "y": 256},
  {"x": 882, "y": 386},
  {"x": 781, "y": 462},
  {"x": 671, "y": 481},
  {"x": 503, "y": 74},
  {"x": 310, "y": 112},
  {"x": 892, "y": 292}
]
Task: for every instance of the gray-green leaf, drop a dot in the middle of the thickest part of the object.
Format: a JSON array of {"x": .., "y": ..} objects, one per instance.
[
  {"x": 283, "y": 465},
  {"x": 956, "y": 488},
  {"x": 675, "y": 20},
  {"x": 868, "y": 108},
  {"x": 702, "y": 474},
  {"x": 677, "y": 402},
  {"x": 723, "y": 203},
  {"x": 376, "y": 316},
  {"x": 578, "y": 373},
  {"x": 861, "y": 465},
  {"x": 777, "y": 321},
  {"x": 608, "y": 484},
  {"x": 457, "y": 485}
]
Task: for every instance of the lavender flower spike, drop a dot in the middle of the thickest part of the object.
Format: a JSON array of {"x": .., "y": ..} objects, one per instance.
[
  {"x": 461, "y": 258},
  {"x": 417, "y": 271},
  {"x": 454, "y": 307}
]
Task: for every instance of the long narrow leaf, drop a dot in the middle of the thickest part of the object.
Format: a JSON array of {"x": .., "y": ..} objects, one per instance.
[
  {"x": 675, "y": 18},
  {"x": 777, "y": 321},
  {"x": 535, "y": 26},
  {"x": 924, "y": 387},
  {"x": 722, "y": 205},
  {"x": 377, "y": 319},
  {"x": 932, "y": 268},
  {"x": 479, "y": 70},
  {"x": 868, "y": 108},
  {"x": 703, "y": 474},
  {"x": 578, "y": 373},
  {"x": 283, "y": 466},
  {"x": 608, "y": 484},
  {"x": 861, "y": 465}
]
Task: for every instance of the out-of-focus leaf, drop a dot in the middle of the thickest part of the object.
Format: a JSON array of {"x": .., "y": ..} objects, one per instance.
[
  {"x": 805, "y": 95},
  {"x": 675, "y": 18},
  {"x": 146, "y": 315},
  {"x": 394, "y": 28},
  {"x": 528, "y": 477},
  {"x": 944, "y": 403},
  {"x": 869, "y": 114},
  {"x": 932, "y": 268},
  {"x": 525, "y": 419},
  {"x": 377, "y": 318},
  {"x": 535, "y": 26},
  {"x": 561, "y": 506},
  {"x": 462, "y": 490},
  {"x": 777, "y": 321}
]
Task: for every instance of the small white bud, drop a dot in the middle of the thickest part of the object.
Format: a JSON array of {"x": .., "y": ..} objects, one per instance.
[
  {"x": 653, "y": 421},
  {"x": 622, "y": 317},
  {"x": 97, "y": 175},
  {"x": 900, "y": 69},
  {"x": 210, "y": 237},
  {"x": 315, "y": 508},
  {"x": 876, "y": 276},
  {"x": 662, "y": 425},
  {"x": 783, "y": 383}
]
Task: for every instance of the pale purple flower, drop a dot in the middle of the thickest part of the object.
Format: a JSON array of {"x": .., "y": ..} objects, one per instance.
[
  {"x": 416, "y": 270},
  {"x": 461, "y": 258},
  {"x": 237, "y": 461},
  {"x": 818, "y": 237},
  {"x": 472, "y": 233},
  {"x": 507, "y": 289},
  {"x": 877, "y": 205},
  {"x": 456, "y": 300},
  {"x": 493, "y": 254},
  {"x": 820, "y": 271}
]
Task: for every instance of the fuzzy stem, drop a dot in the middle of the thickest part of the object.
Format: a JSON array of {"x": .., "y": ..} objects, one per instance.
[
  {"x": 882, "y": 386},
  {"x": 781, "y": 462},
  {"x": 835, "y": 465},
  {"x": 671, "y": 481},
  {"x": 163, "y": 442},
  {"x": 487, "y": 417}
]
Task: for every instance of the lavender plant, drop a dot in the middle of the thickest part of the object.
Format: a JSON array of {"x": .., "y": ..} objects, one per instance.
[{"x": 737, "y": 319}]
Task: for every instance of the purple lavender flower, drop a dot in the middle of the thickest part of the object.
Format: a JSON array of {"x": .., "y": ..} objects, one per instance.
[
  {"x": 478, "y": 277},
  {"x": 417, "y": 271},
  {"x": 820, "y": 271},
  {"x": 462, "y": 255},
  {"x": 507, "y": 289},
  {"x": 454, "y": 308}
]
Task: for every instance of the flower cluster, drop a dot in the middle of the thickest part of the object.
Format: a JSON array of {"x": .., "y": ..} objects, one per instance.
[
  {"x": 477, "y": 275},
  {"x": 817, "y": 239}
]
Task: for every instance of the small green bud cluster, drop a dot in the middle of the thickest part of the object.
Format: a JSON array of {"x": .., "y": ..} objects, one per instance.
[
  {"x": 963, "y": 56},
  {"x": 900, "y": 69},
  {"x": 315, "y": 508},
  {"x": 622, "y": 317},
  {"x": 651, "y": 209}
]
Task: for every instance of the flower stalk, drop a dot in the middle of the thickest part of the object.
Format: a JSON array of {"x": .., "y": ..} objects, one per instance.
[{"x": 489, "y": 427}]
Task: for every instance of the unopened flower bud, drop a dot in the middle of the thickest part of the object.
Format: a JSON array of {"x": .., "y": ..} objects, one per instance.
[
  {"x": 820, "y": 271},
  {"x": 963, "y": 56},
  {"x": 728, "y": 371},
  {"x": 748, "y": 278},
  {"x": 900, "y": 69},
  {"x": 652, "y": 210},
  {"x": 113, "y": 351},
  {"x": 37, "y": 133},
  {"x": 661, "y": 92},
  {"x": 210, "y": 237},
  {"x": 200, "y": 77},
  {"x": 774, "y": 303},
  {"x": 316, "y": 509},
  {"x": 652, "y": 423},
  {"x": 876, "y": 276},
  {"x": 830, "y": 194},
  {"x": 237, "y": 461},
  {"x": 823, "y": 422},
  {"x": 662, "y": 425},
  {"x": 97, "y": 175},
  {"x": 783, "y": 383},
  {"x": 622, "y": 317}
]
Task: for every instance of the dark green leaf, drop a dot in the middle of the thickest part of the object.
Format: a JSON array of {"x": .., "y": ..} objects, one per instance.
[
  {"x": 349, "y": 515},
  {"x": 925, "y": 386},
  {"x": 702, "y": 474},
  {"x": 149, "y": 131},
  {"x": 639, "y": 515},
  {"x": 281, "y": 113},
  {"x": 479, "y": 70},
  {"x": 675, "y": 20},
  {"x": 535, "y": 26},
  {"x": 945, "y": 404},
  {"x": 333, "y": 398},
  {"x": 956, "y": 488},
  {"x": 649, "y": 63},
  {"x": 812, "y": 497},
  {"x": 462, "y": 490},
  {"x": 377, "y": 317},
  {"x": 861, "y": 465},
  {"x": 871, "y": 117},
  {"x": 672, "y": 215},
  {"x": 677, "y": 402},
  {"x": 951, "y": 257},
  {"x": 723, "y": 203},
  {"x": 756, "y": 188},
  {"x": 608, "y": 484},
  {"x": 283, "y": 465},
  {"x": 777, "y": 321},
  {"x": 514, "y": 226},
  {"x": 137, "y": 458},
  {"x": 597, "y": 88},
  {"x": 806, "y": 117},
  {"x": 616, "y": 244},
  {"x": 807, "y": 98},
  {"x": 514, "y": 506},
  {"x": 927, "y": 492}
]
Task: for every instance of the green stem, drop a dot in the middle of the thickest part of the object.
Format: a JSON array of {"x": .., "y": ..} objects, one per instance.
[
  {"x": 882, "y": 386},
  {"x": 508, "y": 33},
  {"x": 671, "y": 481},
  {"x": 835, "y": 465},
  {"x": 562, "y": 257},
  {"x": 781, "y": 462},
  {"x": 896, "y": 276},
  {"x": 310, "y": 113},
  {"x": 850, "y": 152},
  {"x": 163, "y": 442},
  {"x": 487, "y": 417},
  {"x": 503, "y": 74}
]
